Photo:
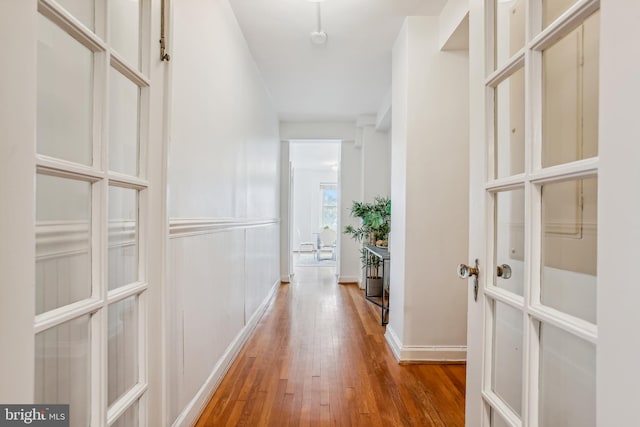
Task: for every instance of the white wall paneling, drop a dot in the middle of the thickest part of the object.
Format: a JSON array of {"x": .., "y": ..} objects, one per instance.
[
  {"x": 224, "y": 203},
  {"x": 221, "y": 280}
]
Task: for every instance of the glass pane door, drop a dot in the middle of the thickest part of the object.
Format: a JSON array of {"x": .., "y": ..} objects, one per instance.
[
  {"x": 90, "y": 210},
  {"x": 540, "y": 320}
]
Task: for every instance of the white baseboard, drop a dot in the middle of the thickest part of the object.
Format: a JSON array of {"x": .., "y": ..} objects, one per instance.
[
  {"x": 349, "y": 279},
  {"x": 285, "y": 279},
  {"x": 424, "y": 353},
  {"x": 193, "y": 410}
]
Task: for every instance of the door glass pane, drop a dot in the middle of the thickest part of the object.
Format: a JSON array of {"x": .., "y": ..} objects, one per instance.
[
  {"x": 125, "y": 29},
  {"x": 509, "y": 123},
  {"x": 123, "y": 347},
  {"x": 65, "y": 95},
  {"x": 83, "y": 10},
  {"x": 62, "y": 368},
  {"x": 130, "y": 418},
  {"x": 496, "y": 420},
  {"x": 509, "y": 29},
  {"x": 509, "y": 243},
  {"x": 63, "y": 242},
  {"x": 570, "y": 95},
  {"x": 123, "y": 124},
  {"x": 569, "y": 247},
  {"x": 506, "y": 380},
  {"x": 567, "y": 379},
  {"x": 123, "y": 236},
  {"x": 552, "y": 9}
]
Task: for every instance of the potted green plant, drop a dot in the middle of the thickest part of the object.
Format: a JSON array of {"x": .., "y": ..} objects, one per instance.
[{"x": 374, "y": 230}]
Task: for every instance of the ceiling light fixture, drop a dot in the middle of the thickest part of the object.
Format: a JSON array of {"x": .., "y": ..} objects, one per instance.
[{"x": 318, "y": 36}]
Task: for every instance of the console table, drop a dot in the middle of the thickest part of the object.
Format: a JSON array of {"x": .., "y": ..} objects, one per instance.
[{"x": 380, "y": 297}]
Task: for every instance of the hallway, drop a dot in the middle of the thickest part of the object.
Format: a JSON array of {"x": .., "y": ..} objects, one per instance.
[{"x": 319, "y": 357}]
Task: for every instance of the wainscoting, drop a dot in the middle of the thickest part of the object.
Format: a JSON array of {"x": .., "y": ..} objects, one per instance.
[{"x": 222, "y": 274}]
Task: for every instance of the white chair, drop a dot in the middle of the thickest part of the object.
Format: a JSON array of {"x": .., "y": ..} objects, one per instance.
[
  {"x": 307, "y": 246},
  {"x": 327, "y": 244}
]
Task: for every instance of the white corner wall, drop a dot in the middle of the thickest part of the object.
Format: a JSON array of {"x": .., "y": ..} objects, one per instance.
[
  {"x": 397, "y": 240},
  {"x": 350, "y": 173},
  {"x": 376, "y": 163},
  {"x": 224, "y": 184},
  {"x": 429, "y": 190},
  {"x": 285, "y": 214}
]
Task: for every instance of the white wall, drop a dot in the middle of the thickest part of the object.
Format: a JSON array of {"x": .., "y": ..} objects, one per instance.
[
  {"x": 397, "y": 239},
  {"x": 224, "y": 128},
  {"x": 285, "y": 236},
  {"x": 350, "y": 190},
  {"x": 224, "y": 180},
  {"x": 430, "y": 139},
  {"x": 345, "y": 131},
  {"x": 376, "y": 163}
]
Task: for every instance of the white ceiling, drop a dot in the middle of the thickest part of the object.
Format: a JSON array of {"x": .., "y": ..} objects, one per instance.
[{"x": 346, "y": 77}]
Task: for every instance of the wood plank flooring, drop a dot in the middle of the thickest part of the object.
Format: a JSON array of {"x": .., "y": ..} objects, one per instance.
[{"x": 318, "y": 357}]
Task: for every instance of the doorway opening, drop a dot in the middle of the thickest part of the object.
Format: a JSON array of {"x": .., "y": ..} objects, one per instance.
[{"x": 314, "y": 190}]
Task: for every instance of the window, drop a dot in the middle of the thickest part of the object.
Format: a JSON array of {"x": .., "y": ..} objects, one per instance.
[{"x": 329, "y": 214}]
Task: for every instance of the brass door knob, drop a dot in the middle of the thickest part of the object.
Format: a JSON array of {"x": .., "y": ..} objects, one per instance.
[{"x": 464, "y": 271}]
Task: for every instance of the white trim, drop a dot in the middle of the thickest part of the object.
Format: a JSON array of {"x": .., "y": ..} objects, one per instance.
[
  {"x": 565, "y": 23},
  {"x": 194, "y": 408},
  {"x": 285, "y": 279},
  {"x": 46, "y": 165},
  {"x": 180, "y": 227},
  {"x": 122, "y": 292},
  {"x": 424, "y": 353},
  {"x": 349, "y": 279},
  {"x": 509, "y": 417},
  {"x": 516, "y": 63},
  {"x": 125, "y": 401},
  {"x": 127, "y": 70},
  {"x": 71, "y": 25},
  {"x": 61, "y": 238},
  {"x": 122, "y": 180},
  {"x": 393, "y": 341},
  {"x": 65, "y": 313},
  {"x": 55, "y": 239}
]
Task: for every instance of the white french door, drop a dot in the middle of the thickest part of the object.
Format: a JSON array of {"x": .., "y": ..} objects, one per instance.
[
  {"x": 91, "y": 194},
  {"x": 533, "y": 332}
]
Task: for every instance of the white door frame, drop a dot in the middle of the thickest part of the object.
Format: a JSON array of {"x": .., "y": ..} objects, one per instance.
[
  {"x": 18, "y": 23},
  {"x": 288, "y": 190},
  {"x": 618, "y": 294}
]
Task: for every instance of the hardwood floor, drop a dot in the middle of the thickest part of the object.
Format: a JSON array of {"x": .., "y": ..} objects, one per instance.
[{"x": 318, "y": 357}]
